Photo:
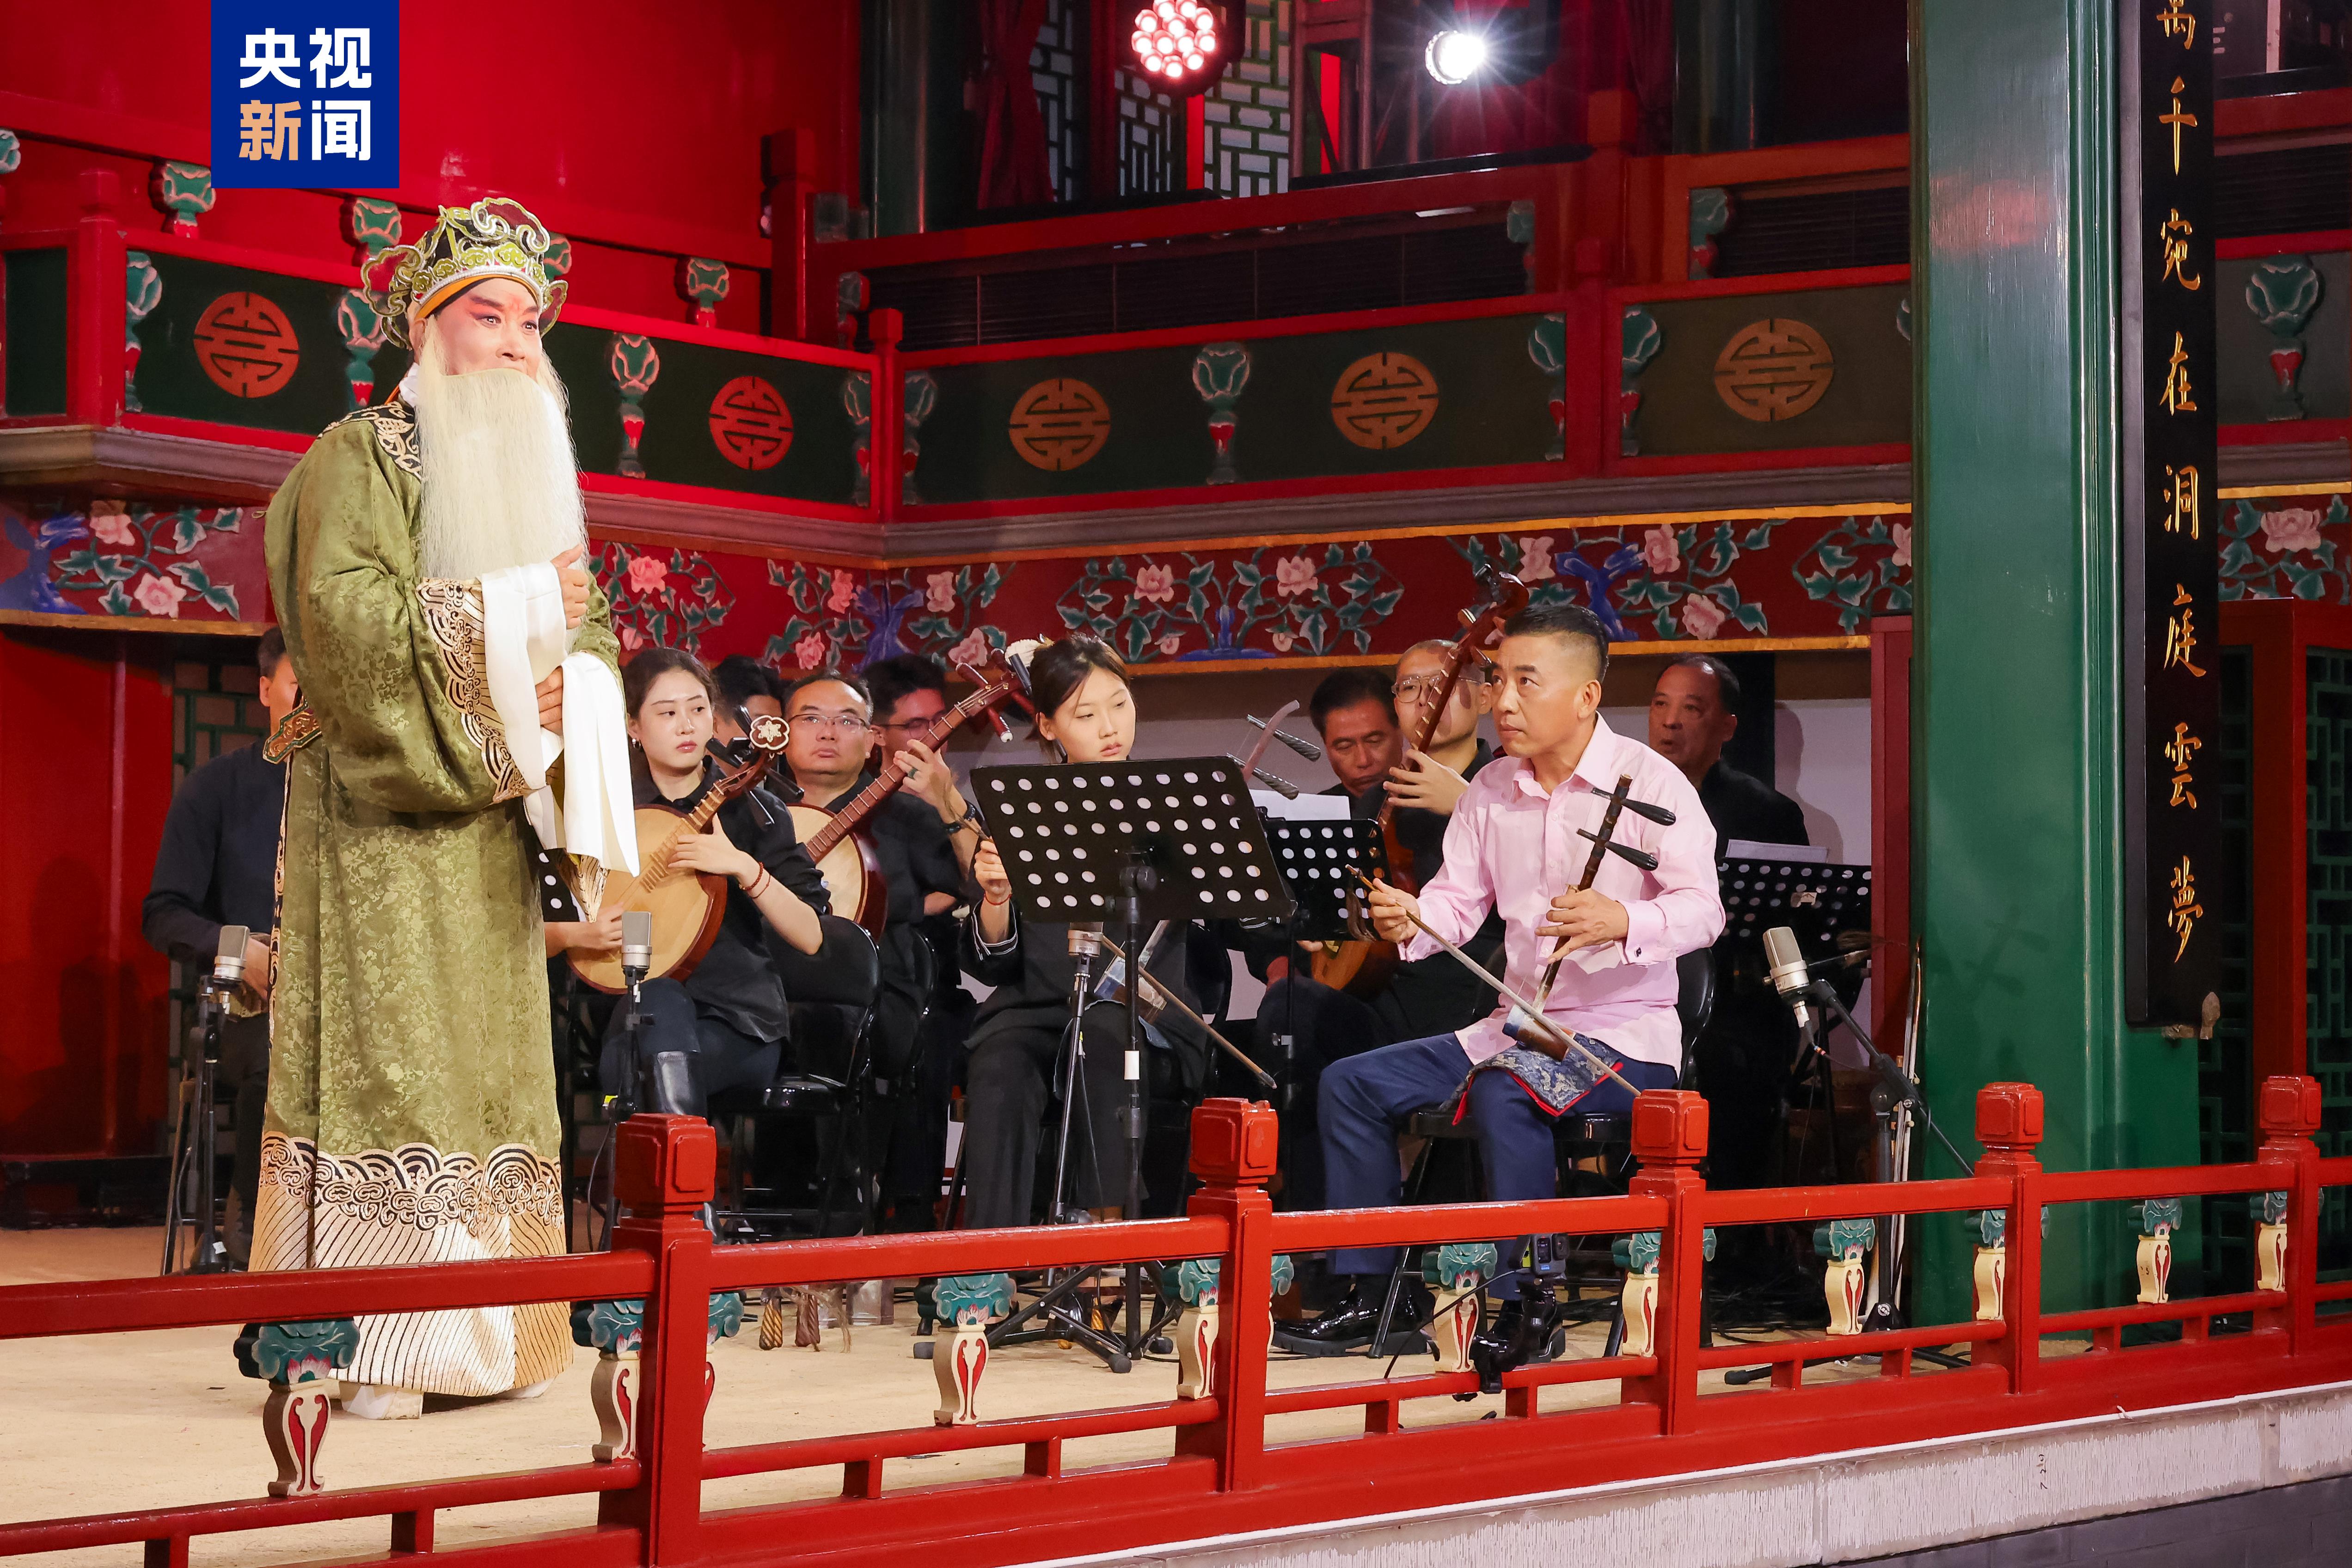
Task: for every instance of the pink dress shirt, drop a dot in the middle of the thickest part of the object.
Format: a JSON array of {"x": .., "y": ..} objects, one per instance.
[{"x": 1514, "y": 848}]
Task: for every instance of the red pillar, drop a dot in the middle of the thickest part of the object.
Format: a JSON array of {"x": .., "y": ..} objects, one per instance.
[
  {"x": 1669, "y": 1140},
  {"x": 2009, "y": 1125},
  {"x": 96, "y": 307},
  {"x": 2288, "y": 1113},
  {"x": 888, "y": 432},
  {"x": 667, "y": 1168},
  {"x": 1234, "y": 1144}
]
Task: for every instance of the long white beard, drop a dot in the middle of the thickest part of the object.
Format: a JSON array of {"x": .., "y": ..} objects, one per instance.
[{"x": 501, "y": 488}]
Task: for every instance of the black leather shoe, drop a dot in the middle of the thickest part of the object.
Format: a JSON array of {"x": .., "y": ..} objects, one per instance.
[
  {"x": 1348, "y": 1326},
  {"x": 1519, "y": 1332}
]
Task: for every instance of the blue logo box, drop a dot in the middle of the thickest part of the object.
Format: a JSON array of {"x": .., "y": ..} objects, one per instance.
[{"x": 305, "y": 95}]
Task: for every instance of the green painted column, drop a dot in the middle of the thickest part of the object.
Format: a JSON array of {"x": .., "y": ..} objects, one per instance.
[{"x": 2016, "y": 807}]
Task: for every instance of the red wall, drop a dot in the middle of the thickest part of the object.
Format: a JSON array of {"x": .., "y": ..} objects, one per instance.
[
  {"x": 618, "y": 124},
  {"x": 85, "y": 779}
]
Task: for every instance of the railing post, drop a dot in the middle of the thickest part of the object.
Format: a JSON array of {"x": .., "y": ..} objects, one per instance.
[
  {"x": 95, "y": 305},
  {"x": 887, "y": 433},
  {"x": 1234, "y": 1144},
  {"x": 1669, "y": 1140},
  {"x": 2009, "y": 1125},
  {"x": 2287, "y": 1111},
  {"x": 667, "y": 1167}
]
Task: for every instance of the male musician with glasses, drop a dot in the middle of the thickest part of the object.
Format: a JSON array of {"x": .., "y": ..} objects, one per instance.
[
  {"x": 833, "y": 734},
  {"x": 1325, "y": 1022}
]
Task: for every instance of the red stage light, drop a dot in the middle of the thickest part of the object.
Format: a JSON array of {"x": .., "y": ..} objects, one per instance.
[{"x": 1179, "y": 45}]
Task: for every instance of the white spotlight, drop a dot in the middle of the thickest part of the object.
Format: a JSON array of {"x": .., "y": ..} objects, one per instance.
[{"x": 1454, "y": 56}]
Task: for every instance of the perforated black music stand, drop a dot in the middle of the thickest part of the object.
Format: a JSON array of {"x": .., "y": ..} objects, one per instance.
[
  {"x": 1319, "y": 861},
  {"x": 1817, "y": 900},
  {"x": 1120, "y": 844}
]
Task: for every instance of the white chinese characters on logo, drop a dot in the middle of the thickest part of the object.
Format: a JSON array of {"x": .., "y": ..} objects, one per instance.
[
  {"x": 338, "y": 128},
  {"x": 270, "y": 53},
  {"x": 345, "y": 51}
]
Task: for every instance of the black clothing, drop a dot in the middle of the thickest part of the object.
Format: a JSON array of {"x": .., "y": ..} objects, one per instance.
[
  {"x": 911, "y": 845},
  {"x": 1741, "y": 1062},
  {"x": 216, "y": 867},
  {"x": 1015, "y": 1050},
  {"x": 218, "y": 862},
  {"x": 670, "y": 1018},
  {"x": 736, "y": 982},
  {"x": 1742, "y": 805}
]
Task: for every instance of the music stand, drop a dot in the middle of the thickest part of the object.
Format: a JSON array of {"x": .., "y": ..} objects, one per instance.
[
  {"x": 1815, "y": 899},
  {"x": 1318, "y": 861},
  {"x": 1120, "y": 844}
]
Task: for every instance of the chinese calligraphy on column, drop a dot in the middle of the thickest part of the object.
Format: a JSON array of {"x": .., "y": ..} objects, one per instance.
[{"x": 2170, "y": 565}]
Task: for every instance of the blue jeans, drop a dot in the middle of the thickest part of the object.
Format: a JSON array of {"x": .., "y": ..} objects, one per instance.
[{"x": 1365, "y": 1100}]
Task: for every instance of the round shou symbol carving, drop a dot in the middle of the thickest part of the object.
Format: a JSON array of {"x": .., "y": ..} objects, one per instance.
[
  {"x": 750, "y": 424},
  {"x": 1773, "y": 369},
  {"x": 246, "y": 345},
  {"x": 1383, "y": 400},
  {"x": 1059, "y": 424}
]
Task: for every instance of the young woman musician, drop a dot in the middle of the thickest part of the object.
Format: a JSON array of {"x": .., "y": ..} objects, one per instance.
[
  {"x": 1086, "y": 713},
  {"x": 727, "y": 1019}
]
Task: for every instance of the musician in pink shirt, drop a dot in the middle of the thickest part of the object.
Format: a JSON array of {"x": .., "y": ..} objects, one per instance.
[{"x": 1514, "y": 845}]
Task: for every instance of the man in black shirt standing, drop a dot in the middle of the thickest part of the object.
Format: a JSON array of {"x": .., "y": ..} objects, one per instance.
[
  {"x": 1694, "y": 711},
  {"x": 1742, "y": 1059},
  {"x": 218, "y": 866}
]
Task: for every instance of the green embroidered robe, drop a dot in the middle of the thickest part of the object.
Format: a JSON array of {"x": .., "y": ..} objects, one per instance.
[{"x": 412, "y": 1093}]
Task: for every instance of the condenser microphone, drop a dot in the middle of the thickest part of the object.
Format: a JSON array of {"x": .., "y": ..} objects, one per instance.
[
  {"x": 228, "y": 963},
  {"x": 1790, "y": 975},
  {"x": 637, "y": 945}
]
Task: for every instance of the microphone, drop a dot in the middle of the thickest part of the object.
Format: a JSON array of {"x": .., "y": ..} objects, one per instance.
[
  {"x": 1085, "y": 939},
  {"x": 637, "y": 945},
  {"x": 1790, "y": 975},
  {"x": 228, "y": 963}
]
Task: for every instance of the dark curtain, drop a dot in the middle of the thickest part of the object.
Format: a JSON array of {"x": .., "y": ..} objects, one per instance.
[
  {"x": 1013, "y": 168},
  {"x": 1649, "y": 33}
]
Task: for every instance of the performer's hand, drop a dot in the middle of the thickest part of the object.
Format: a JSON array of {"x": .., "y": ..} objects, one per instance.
[
  {"x": 576, "y": 582},
  {"x": 1424, "y": 782},
  {"x": 550, "y": 693},
  {"x": 988, "y": 871},
  {"x": 1582, "y": 918},
  {"x": 257, "y": 967},
  {"x": 602, "y": 934},
  {"x": 714, "y": 853},
  {"x": 934, "y": 781},
  {"x": 1394, "y": 913}
]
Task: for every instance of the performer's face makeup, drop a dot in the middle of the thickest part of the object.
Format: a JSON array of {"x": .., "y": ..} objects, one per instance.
[
  {"x": 494, "y": 325},
  {"x": 673, "y": 723},
  {"x": 1096, "y": 724},
  {"x": 1546, "y": 694},
  {"x": 1363, "y": 743},
  {"x": 830, "y": 734}
]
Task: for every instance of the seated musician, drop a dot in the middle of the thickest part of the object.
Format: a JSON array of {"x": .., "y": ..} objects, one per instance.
[
  {"x": 725, "y": 1019},
  {"x": 744, "y": 689},
  {"x": 910, "y": 691},
  {"x": 1086, "y": 713},
  {"x": 1514, "y": 846},
  {"x": 832, "y": 736},
  {"x": 1381, "y": 1004}
]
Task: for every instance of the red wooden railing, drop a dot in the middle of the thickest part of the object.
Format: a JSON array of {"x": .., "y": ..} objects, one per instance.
[{"x": 1223, "y": 1473}]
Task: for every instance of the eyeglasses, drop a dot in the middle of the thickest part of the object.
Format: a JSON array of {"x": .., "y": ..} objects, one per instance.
[
  {"x": 848, "y": 725},
  {"x": 1420, "y": 688}
]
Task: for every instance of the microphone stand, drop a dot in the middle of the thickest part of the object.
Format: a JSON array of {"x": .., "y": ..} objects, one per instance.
[
  {"x": 635, "y": 960},
  {"x": 1895, "y": 1095}
]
